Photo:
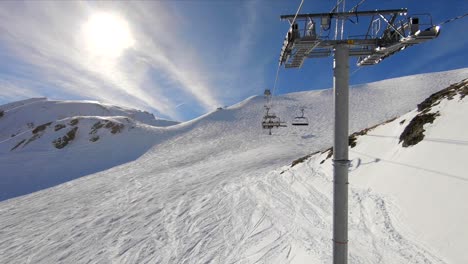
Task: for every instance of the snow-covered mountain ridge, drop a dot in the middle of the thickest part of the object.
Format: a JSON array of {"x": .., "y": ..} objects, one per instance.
[
  {"x": 82, "y": 136},
  {"x": 62, "y": 132},
  {"x": 25, "y": 115},
  {"x": 211, "y": 190}
]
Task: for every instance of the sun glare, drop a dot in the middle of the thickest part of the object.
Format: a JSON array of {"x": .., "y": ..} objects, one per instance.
[{"x": 107, "y": 35}]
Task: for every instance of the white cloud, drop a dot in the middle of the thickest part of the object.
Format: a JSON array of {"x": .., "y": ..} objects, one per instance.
[
  {"x": 12, "y": 90},
  {"x": 45, "y": 36}
]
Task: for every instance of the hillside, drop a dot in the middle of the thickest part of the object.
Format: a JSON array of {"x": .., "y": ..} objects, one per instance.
[
  {"x": 22, "y": 116},
  {"x": 429, "y": 179},
  {"x": 218, "y": 189},
  {"x": 44, "y": 143},
  {"x": 418, "y": 188}
]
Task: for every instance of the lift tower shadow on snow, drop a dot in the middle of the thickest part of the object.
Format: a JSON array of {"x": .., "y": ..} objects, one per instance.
[{"x": 388, "y": 32}]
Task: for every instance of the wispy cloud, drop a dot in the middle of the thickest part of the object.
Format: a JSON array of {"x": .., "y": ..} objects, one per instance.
[
  {"x": 179, "y": 57},
  {"x": 244, "y": 74},
  {"x": 166, "y": 51},
  {"x": 45, "y": 36},
  {"x": 13, "y": 89}
]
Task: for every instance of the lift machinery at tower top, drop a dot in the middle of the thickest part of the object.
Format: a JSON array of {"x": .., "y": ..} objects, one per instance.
[{"x": 388, "y": 32}]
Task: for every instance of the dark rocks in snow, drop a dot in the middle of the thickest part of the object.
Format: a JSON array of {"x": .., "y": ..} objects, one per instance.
[
  {"x": 352, "y": 140},
  {"x": 74, "y": 122},
  {"x": 447, "y": 93},
  {"x": 112, "y": 126},
  {"x": 36, "y": 136},
  {"x": 37, "y": 133},
  {"x": 59, "y": 126},
  {"x": 96, "y": 127},
  {"x": 2, "y": 113},
  {"x": 306, "y": 157},
  {"x": 17, "y": 145},
  {"x": 41, "y": 128},
  {"x": 329, "y": 155},
  {"x": 414, "y": 131},
  {"x": 302, "y": 159},
  {"x": 463, "y": 91},
  {"x": 353, "y": 137},
  {"x": 61, "y": 142}
]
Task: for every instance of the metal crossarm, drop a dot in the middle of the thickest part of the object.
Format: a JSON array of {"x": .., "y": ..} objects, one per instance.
[
  {"x": 380, "y": 53},
  {"x": 400, "y": 32},
  {"x": 346, "y": 14}
]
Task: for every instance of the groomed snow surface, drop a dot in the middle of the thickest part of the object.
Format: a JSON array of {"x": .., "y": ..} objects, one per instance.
[{"x": 218, "y": 189}]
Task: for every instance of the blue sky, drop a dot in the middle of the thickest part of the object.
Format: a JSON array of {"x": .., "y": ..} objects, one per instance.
[{"x": 185, "y": 58}]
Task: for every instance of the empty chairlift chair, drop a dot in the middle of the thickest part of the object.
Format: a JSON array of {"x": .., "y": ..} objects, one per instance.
[{"x": 300, "y": 120}]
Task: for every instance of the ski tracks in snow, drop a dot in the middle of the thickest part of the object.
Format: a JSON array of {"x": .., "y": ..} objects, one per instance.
[
  {"x": 225, "y": 208},
  {"x": 209, "y": 217}
]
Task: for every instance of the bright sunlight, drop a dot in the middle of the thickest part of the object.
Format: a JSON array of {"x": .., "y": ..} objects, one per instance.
[{"x": 107, "y": 35}]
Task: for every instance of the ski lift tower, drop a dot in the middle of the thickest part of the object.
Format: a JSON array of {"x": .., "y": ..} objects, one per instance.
[{"x": 388, "y": 32}]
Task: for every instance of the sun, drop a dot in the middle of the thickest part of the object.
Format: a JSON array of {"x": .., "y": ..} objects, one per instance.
[{"x": 107, "y": 35}]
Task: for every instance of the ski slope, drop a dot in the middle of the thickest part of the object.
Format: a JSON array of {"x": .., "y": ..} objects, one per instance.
[{"x": 218, "y": 189}]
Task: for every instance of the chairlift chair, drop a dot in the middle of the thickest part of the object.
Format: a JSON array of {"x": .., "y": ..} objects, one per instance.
[
  {"x": 271, "y": 120},
  {"x": 300, "y": 120}
]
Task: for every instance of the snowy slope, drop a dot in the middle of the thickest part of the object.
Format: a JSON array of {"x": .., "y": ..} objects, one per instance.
[
  {"x": 213, "y": 190},
  {"x": 428, "y": 181},
  {"x": 44, "y": 143},
  {"x": 420, "y": 189}
]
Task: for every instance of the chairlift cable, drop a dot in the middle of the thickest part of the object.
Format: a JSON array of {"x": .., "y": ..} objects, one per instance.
[
  {"x": 270, "y": 120},
  {"x": 279, "y": 65},
  {"x": 453, "y": 19},
  {"x": 295, "y": 16},
  {"x": 338, "y": 2},
  {"x": 276, "y": 79},
  {"x": 273, "y": 91},
  {"x": 354, "y": 9},
  {"x": 358, "y": 68}
]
